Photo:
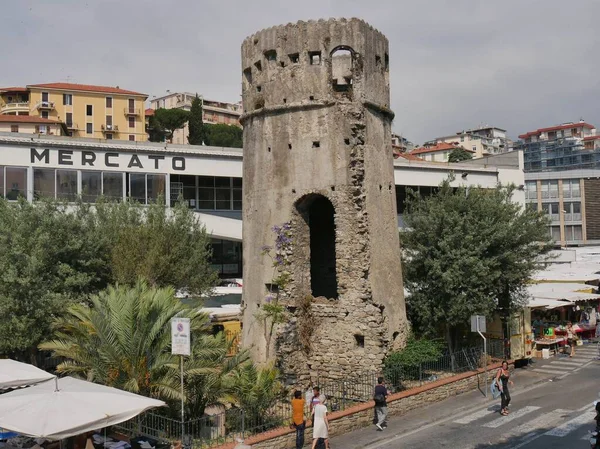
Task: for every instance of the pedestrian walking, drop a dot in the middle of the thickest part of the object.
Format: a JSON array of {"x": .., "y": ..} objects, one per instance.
[
  {"x": 317, "y": 397},
  {"x": 298, "y": 420},
  {"x": 380, "y": 398},
  {"x": 320, "y": 424},
  {"x": 502, "y": 380},
  {"x": 571, "y": 339}
]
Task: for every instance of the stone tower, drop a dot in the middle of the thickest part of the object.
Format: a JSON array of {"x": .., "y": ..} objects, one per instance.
[{"x": 317, "y": 154}]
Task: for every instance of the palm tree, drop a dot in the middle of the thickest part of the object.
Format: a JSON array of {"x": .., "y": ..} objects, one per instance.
[{"x": 122, "y": 339}]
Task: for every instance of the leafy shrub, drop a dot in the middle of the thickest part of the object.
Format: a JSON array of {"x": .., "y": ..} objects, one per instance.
[{"x": 406, "y": 364}]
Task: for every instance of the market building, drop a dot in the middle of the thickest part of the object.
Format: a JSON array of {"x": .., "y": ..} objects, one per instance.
[{"x": 208, "y": 178}]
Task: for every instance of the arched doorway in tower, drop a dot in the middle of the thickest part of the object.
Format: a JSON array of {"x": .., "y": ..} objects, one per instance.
[{"x": 319, "y": 224}]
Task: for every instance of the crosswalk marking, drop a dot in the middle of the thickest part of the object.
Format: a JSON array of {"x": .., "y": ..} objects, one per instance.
[
  {"x": 541, "y": 422},
  {"x": 565, "y": 363},
  {"x": 505, "y": 419},
  {"x": 569, "y": 426},
  {"x": 544, "y": 371},
  {"x": 556, "y": 367},
  {"x": 477, "y": 415}
]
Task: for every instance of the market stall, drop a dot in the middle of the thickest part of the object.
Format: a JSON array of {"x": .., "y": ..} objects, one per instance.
[{"x": 555, "y": 304}]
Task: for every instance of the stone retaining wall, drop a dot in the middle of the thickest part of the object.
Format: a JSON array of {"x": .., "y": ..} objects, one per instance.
[{"x": 361, "y": 415}]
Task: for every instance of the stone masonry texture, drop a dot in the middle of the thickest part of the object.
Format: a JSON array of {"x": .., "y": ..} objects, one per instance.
[{"x": 317, "y": 154}]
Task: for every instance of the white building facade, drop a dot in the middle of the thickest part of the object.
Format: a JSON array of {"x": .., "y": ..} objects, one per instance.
[{"x": 208, "y": 178}]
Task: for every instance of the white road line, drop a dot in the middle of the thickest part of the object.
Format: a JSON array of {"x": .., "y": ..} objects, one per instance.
[
  {"x": 541, "y": 422},
  {"x": 477, "y": 415},
  {"x": 555, "y": 367},
  {"x": 512, "y": 416},
  {"x": 565, "y": 363},
  {"x": 531, "y": 438},
  {"x": 569, "y": 426},
  {"x": 545, "y": 371}
]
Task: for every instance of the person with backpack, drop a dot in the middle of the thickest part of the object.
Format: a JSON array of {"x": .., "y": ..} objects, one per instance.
[{"x": 380, "y": 398}]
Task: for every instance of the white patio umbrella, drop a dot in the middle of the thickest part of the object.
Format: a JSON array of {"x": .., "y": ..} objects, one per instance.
[
  {"x": 67, "y": 407},
  {"x": 15, "y": 374}
]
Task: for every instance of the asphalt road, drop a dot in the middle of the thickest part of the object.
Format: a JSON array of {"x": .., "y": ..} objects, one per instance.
[{"x": 553, "y": 410}]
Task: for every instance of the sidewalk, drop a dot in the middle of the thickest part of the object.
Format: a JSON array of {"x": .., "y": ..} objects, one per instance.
[{"x": 523, "y": 378}]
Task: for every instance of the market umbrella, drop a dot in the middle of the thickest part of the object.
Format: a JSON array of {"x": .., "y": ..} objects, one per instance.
[
  {"x": 67, "y": 407},
  {"x": 15, "y": 374}
]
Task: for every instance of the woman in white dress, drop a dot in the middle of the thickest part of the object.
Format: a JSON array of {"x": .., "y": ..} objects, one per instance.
[{"x": 320, "y": 424}]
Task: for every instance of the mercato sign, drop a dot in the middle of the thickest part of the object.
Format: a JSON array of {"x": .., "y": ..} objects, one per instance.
[{"x": 88, "y": 158}]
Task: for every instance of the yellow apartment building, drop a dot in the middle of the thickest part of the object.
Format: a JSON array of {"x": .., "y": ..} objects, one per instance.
[
  {"x": 29, "y": 124},
  {"x": 100, "y": 112}
]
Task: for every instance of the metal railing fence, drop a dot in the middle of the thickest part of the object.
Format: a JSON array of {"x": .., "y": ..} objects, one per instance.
[{"x": 208, "y": 431}]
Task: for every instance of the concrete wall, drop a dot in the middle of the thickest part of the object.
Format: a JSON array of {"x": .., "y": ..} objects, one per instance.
[{"x": 306, "y": 138}]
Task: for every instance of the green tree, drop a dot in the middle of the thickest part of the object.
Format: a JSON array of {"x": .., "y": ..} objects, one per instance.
[
  {"x": 164, "y": 247},
  {"x": 256, "y": 391},
  {"x": 221, "y": 135},
  {"x": 165, "y": 122},
  {"x": 468, "y": 251},
  {"x": 196, "y": 126},
  {"x": 459, "y": 154},
  {"x": 123, "y": 339},
  {"x": 48, "y": 259},
  {"x": 156, "y": 132}
]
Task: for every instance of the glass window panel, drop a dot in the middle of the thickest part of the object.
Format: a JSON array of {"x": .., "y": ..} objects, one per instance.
[
  {"x": 555, "y": 233},
  {"x": 576, "y": 208},
  {"x": 237, "y": 182},
  {"x": 222, "y": 182},
  {"x": 113, "y": 185},
  {"x": 575, "y": 192},
  {"x": 137, "y": 187},
  {"x": 1, "y": 181},
  {"x": 43, "y": 183},
  {"x": 156, "y": 187},
  {"x": 577, "y": 233},
  {"x": 91, "y": 186},
  {"x": 66, "y": 184},
  {"x": 206, "y": 181},
  {"x": 206, "y": 198},
  {"x": 16, "y": 183},
  {"x": 237, "y": 199},
  {"x": 223, "y": 199}
]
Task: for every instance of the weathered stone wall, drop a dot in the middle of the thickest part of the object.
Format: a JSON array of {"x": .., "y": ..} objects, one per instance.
[{"x": 308, "y": 136}]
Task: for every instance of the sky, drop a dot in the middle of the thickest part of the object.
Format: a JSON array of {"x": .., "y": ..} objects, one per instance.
[{"x": 454, "y": 64}]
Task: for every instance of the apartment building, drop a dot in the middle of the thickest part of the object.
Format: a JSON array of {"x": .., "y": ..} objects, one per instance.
[
  {"x": 29, "y": 124},
  {"x": 437, "y": 152},
  {"x": 482, "y": 141},
  {"x": 213, "y": 112},
  {"x": 562, "y": 173},
  {"x": 562, "y": 147},
  {"x": 99, "y": 112}
]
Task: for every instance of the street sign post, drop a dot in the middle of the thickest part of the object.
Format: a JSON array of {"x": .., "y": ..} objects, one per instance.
[
  {"x": 478, "y": 325},
  {"x": 180, "y": 345}
]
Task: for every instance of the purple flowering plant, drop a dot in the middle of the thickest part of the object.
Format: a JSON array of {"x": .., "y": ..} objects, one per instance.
[{"x": 272, "y": 312}]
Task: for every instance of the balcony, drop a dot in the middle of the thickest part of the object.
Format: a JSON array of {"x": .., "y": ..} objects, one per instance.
[
  {"x": 109, "y": 128},
  {"x": 45, "y": 105},
  {"x": 14, "y": 108},
  {"x": 72, "y": 126},
  {"x": 132, "y": 111}
]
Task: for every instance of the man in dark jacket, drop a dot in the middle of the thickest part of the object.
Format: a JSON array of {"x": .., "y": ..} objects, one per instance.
[{"x": 380, "y": 398}]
